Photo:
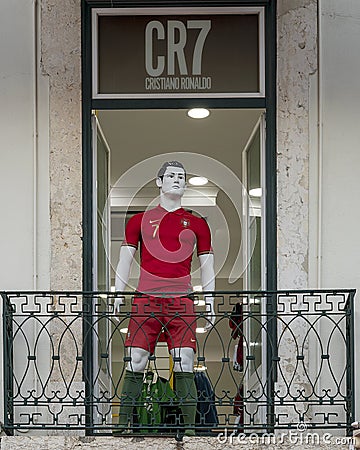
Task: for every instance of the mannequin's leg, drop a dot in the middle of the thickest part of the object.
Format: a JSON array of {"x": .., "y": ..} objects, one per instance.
[
  {"x": 139, "y": 357},
  {"x": 133, "y": 381},
  {"x": 185, "y": 385}
]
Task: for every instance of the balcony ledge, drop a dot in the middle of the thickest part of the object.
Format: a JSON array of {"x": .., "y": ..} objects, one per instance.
[{"x": 156, "y": 443}]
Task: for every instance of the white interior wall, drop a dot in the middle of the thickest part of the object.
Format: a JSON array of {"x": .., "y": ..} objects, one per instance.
[{"x": 340, "y": 152}]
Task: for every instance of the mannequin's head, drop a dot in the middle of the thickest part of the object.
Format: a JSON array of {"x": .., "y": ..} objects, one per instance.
[
  {"x": 170, "y": 164},
  {"x": 171, "y": 178}
]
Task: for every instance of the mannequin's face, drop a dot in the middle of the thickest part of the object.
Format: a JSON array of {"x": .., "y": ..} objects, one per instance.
[{"x": 173, "y": 181}]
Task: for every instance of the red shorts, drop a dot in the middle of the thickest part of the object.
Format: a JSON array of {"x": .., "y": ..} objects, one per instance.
[{"x": 155, "y": 319}]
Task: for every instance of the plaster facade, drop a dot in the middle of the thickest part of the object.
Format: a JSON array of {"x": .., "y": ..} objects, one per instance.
[{"x": 60, "y": 69}]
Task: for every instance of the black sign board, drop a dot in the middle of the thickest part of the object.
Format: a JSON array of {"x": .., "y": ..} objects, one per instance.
[{"x": 172, "y": 54}]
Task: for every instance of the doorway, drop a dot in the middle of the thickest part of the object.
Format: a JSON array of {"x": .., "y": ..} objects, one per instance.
[
  {"x": 138, "y": 142},
  {"x": 158, "y": 120}
]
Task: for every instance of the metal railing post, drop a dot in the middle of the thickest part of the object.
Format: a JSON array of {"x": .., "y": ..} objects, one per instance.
[
  {"x": 8, "y": 388},
  {"x": 350, "y": 368},
  {"x": 271, "y": 359},
  {"x": 88, "y": 361}
]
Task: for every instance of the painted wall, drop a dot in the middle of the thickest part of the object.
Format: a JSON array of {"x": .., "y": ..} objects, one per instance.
[
  {"x": 24, "y": 174},
  {"x": 40, "y": 162},
  {"x": 318, "y": 222},
  {"x": 17, "y": 177},
  {"x": 340, "y": 153},
  {"x": 40, "y": 95},
  {"x": 318, "y": 148},
  {"x": 24, "y": 159},
  {"x": 16, "y": 127}
]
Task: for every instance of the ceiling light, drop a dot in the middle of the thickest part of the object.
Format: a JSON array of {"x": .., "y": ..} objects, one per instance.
[
  {"x": 198, "y": 181},
  {"x": 256, "y": 192},
  {"x": 200, "y": 368},
  {"x": 200, "y": 330},
  {"x": 198, "y": 113},
  {"x": 123, "y": 330},
  {"x": 199, "y": 302}
]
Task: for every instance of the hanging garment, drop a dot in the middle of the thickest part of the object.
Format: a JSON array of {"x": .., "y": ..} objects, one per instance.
[
  {"x": 239, "y": 409},
  {"x": 239, "y": 404},
  {"x": 206, "y": 415},
  {"x": 236, "y": 324},
  {"x": 158, "y": 404},
  {"x": 238, "y": 357}
]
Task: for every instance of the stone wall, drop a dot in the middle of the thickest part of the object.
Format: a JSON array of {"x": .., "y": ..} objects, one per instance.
[
  {"x": 61, "y": 60},
  {"x": 60, "y": 46},
  {"x": 195, "y": 443},
  {"x": 297, "y": 61}
]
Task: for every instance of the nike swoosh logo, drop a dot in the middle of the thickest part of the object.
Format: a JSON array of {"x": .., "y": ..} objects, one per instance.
[{"x": 192, "y": 340}]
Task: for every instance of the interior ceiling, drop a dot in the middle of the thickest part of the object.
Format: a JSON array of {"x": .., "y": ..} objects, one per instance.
[
  {"x": 135, "y": 135},
  {"x": 139, "y": 139}
]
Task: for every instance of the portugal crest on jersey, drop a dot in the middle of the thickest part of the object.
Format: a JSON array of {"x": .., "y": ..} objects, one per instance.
[{"x": 185, "y": 222}]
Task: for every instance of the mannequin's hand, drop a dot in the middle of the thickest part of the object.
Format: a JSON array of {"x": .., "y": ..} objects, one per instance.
[
  {"x": 117, "y": 304},
  {"x": 210, "y": 313}
]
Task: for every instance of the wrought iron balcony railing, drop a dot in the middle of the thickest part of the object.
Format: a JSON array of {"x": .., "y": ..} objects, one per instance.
[{"x": 272, "y": 360}]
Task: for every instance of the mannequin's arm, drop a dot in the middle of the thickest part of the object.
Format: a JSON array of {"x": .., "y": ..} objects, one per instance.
[
  {"x": 208, "y": 284},
  {"x": 122, "y": 272}
]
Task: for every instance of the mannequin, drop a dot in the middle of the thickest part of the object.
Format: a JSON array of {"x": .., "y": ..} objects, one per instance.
[{"x": 167, "y": 234}]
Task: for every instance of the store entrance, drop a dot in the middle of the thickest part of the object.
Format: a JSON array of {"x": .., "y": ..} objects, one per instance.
[
  {"x": 175, "y": 58},
  {"x": 131, "y": 147}
]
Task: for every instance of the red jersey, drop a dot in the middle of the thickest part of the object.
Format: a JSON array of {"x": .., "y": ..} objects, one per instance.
[{"x": 167, "y": 242}]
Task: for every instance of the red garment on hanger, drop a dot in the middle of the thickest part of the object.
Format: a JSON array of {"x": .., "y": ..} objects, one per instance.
[{"x": 236, "y": 324}]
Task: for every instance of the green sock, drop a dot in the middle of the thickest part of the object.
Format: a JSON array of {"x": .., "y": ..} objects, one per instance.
[
  {"x": 131, "y": 391},
  {"x": 186, "y": 393}
]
